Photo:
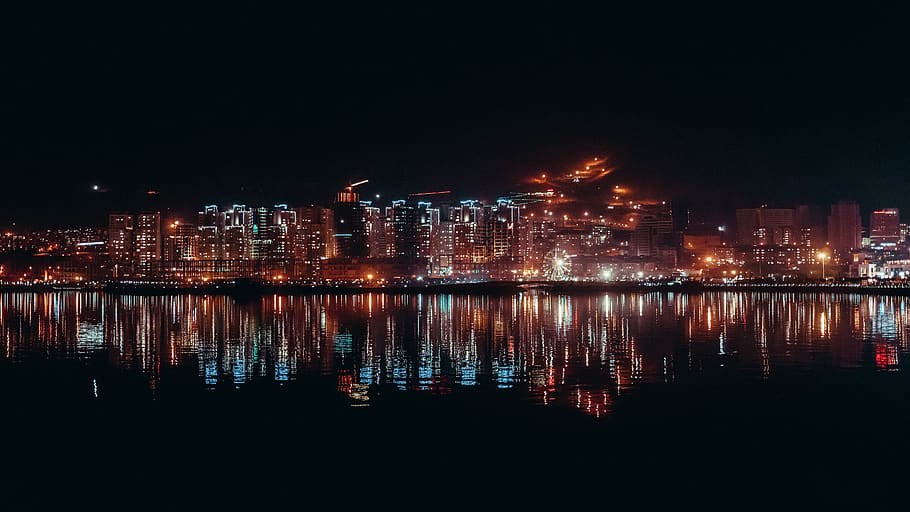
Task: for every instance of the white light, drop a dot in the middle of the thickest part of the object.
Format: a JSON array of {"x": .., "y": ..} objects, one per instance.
[{"x": 94, "y": 187}]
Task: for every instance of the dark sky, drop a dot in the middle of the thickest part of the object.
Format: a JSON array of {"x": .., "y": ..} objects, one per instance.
[{"x": 732, "y": 105}]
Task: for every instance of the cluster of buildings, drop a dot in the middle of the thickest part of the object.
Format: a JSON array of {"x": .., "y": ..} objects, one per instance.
[
  {"x": 430, "y": 237},
  {"x": 803, "y": 242}
]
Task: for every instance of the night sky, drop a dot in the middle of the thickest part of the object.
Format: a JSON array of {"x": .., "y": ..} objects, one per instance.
[{"x": 723, "y": 106}]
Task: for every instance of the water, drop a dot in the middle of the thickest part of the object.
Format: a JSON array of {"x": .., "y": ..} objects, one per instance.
[
  {"x": 563, "y": 351},
  {"x": 796, "y": 385}
]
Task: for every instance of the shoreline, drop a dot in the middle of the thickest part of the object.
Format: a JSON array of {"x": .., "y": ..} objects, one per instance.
[{"x": 498, "y": 288}]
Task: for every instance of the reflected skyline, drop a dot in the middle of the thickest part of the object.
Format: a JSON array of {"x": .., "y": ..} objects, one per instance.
[{"x": 580, "y": 352}]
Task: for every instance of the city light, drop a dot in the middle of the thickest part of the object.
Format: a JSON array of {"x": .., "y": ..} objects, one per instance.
[
  {"x": 451, "y": 240},
  {"x": 822, "y": 257}
]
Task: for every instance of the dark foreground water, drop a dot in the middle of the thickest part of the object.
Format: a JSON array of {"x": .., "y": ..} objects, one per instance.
[{"x": 416, "y": 401}]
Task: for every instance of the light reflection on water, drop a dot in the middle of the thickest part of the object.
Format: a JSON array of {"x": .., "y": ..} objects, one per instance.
[{"x": 576, "y": 351}]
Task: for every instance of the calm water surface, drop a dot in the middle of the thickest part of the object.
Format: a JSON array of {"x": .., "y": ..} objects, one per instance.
[{"x": 556, "y": 351}]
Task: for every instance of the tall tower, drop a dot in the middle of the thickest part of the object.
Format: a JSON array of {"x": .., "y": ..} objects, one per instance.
[
  {"x": 352, "y": 239},
  {"x": 404, "y": 221},
  {"x": 284, "y": 228},
  {"x": 237, "y": 227},
  {"x": 148, "y": 241},
  {"x": 120, "y": 243},
  {"x": 260, "y": 239},
  {"x": 211, "y": 224},
  {"x": 312, "y": 240}
]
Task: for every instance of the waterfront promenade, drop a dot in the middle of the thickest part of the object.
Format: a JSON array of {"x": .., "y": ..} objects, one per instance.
[{"x": 483, "y": 287}]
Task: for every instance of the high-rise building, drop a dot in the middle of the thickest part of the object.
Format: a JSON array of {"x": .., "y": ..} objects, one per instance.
[
  {"x": 652, "y": 232},
  {"x": 404, "y": 222},
  {"x": 120, "y": 243},
  {"x": 505, "y": 218},
  {"x": 147, "y": 244},
  {"x": 350, "y": 231},
  {"x": 374, "y": 220},
  {"x": 427, "y": 231},
  {"x": 885, "y": 228},
  {"x": 210, "y": 226},
  {"x": 443, "y": 249},
  {"x": 260, "y": 236},
  {"x": 182, "y": 242},
  {"x": 845, "y": 229},
  {"x": 237, "y": 228},
  {"x": 283, "y": 232},
  {"x": 312, "y": 241}
]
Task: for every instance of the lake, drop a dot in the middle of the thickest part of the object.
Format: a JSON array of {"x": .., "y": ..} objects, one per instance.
[{"x": 807, "y": 388}]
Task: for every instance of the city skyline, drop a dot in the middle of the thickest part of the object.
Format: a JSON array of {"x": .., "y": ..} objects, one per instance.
[
  {"x": 387, "y": 254},
  {"x": 573, "y": 227}
]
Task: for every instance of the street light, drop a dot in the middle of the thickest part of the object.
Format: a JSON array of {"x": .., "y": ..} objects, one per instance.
[{"x": 822, "y": 256}]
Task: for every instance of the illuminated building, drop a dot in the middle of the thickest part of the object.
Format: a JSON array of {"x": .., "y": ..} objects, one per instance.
[
  {"x": 147, "y": 244},
  {"x": 388, "y": 229},
  {"x": 374, "y": 220},
  {"x": 443, "y": 249},
  {"x": 237, "y": 228},
  {"x": 462, "y": 247},
  {"x": 467, "y": 246},
  {"x": 502, "y": 229},
  {"x": 404, "y": 224},
  {"x": 845, "y": 230},
  {"x": 784, "y": 256},
  {"x": 651, "y": 234},
  {"x": 350, "y": 230},
  {"x": 182, "y": 242},
  {"x": 427, "y": 226},
  {"x": 277, "y": 234},
  {"x": 312, "y": 241},
  {"x": 525, "y": 246},
  {"x": 210, "y": 226},
  {"x": 133, "y": 243},
  {"x": 885, "y": 228},
  {"x": 259, "y": 237},
  {"x": 120, "y": 243}
]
